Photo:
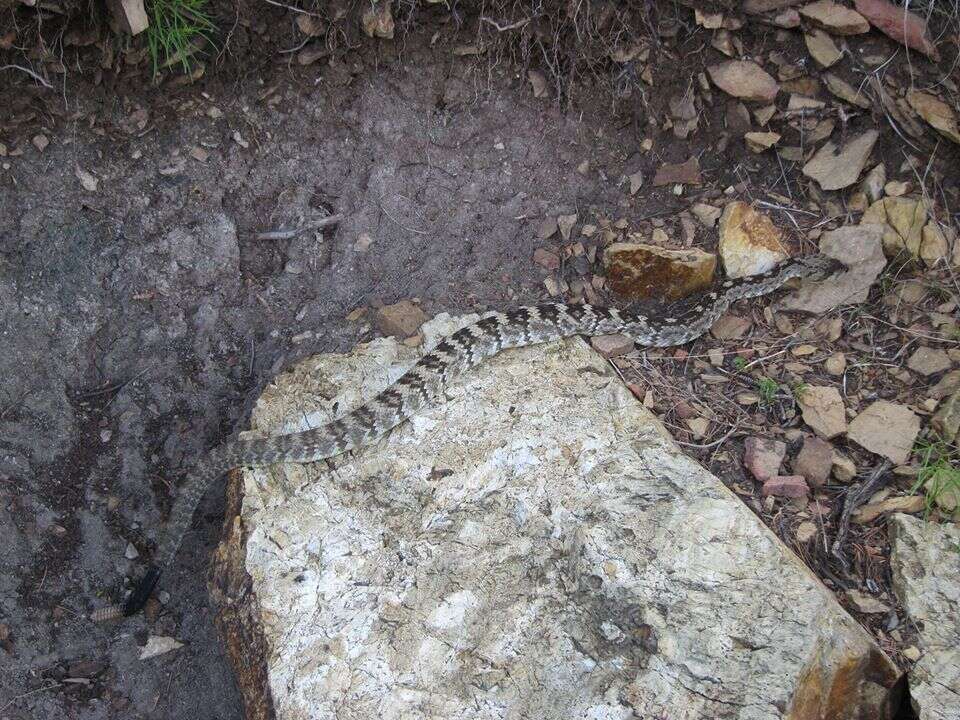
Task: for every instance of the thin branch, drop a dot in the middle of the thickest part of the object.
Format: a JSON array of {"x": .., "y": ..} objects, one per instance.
[{"x": 29, "y": 72}]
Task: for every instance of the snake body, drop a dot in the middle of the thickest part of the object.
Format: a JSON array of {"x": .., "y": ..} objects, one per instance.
[{"x": 422, "y": 384}]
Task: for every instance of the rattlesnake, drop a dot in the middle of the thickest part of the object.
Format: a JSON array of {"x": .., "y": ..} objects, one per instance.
[{"x": 421, "y": 385}]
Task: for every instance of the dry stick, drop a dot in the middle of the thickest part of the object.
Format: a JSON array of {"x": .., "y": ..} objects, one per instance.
[
  {"x": 856, "y": 496},
  {"x": 287, "y": 234}
]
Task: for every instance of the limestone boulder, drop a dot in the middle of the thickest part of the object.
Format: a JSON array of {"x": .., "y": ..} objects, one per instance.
[
  {"x": 925, "y": 568},
  {"x": 533, "y": 546}
]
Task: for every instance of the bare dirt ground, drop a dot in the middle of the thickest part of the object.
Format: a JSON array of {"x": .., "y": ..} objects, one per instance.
[{"x": 140, "y": 315}]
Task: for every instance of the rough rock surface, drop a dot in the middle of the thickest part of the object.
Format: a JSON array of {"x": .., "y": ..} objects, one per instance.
[
  {"x": 640, "y": 270},
  {"x": 925, "y": 566},
  {"x": 749, "y": 241},
  {"x": 535, "y": 545}
]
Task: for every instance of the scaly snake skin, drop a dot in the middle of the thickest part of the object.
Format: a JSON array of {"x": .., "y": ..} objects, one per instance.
[{"x": 421, "y": 385}]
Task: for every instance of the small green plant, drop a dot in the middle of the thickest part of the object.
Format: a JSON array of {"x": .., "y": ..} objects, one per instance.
[
  {"x": 768, "y": 390},
  {"x": 939, "y": 476},
  {"x": 176, "y": 29},
  {"x": 740, "y": 363}
]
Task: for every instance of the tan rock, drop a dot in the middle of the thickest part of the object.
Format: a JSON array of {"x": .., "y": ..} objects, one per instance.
[
  {"x": 929, "y": 361},
  {"x": 402, "y": 319},
  {"x": 612, "y": 345},
  {"x": 377, "y": 20},
  {"x": 758, "y": 142},
  {"x": 887, "y": 429},
  {"x": 843, "y": 468},
  {"x": 904, "y": 219},
  {"x": 874, "y": 182},
  {"x": 706, "y": 214},
  {"x": 941, "y": 116},
  {"x": 835, "y": 168},
  {"x": 730, "y": 327},
  {"x": 640, "y": 270},
  {"x": 744, "y": 79},
  {"x": 806, "y": 531},
  {"x": 814, "y": 461},
  {"x": 946, "y": 421},
  {"x": 835, "y": 18},
  {"x": 866, "y": 604},
  {"x": 749, "y": 241},
  {"x": 948, "y": 384},
  {"x": 845, "y": 91},
  {"x": 822, "y": 48},
  {"x": 836, "y": 364},
  {"x": 823, "y": 410},
  {"x": 902, "y": 504},
  {"x": 859, "y": 249},
  {"x": 933, "y": 244}
]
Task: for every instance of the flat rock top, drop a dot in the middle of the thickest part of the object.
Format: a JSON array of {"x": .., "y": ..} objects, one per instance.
[{"x": 533, "y": 546}]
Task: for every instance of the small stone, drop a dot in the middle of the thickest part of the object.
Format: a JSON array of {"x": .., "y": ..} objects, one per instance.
[
  {"x": 131, "y": 552},
  {"x": 909, "y": 504},
  {"x": 874, "y": 182},
  {"x": 642, "y": 270},
  {"x": 759, "y": 142},
  {"x": 706, "y": 214},
  {"x": 929, "y": 361},
  {"x": 806, "y": 531},
  {"x": 948, "y": 384},
  {"x": 547, "y": 228},
  {"x": 565, "y": 223},
  {"x": 845, "y": 91},
  {"x": 546, "y": 259},
  {"x": 864, "y": 603},
  {"x": 730, "y": 327},
  {"x": 788, "y": 486},
  {"x": 199, "y": 154},
  {"x": 716, "y": 357},
  {"x": 939, "y": 114},
  {"x": 214, "y": 113},
  {"x": 685, "y": 173},
  {"x": 363, "y": 242},
  {"x": 835, "y": 168},
  {"x": 946, "y": 421},
  {"x": 823, "y": 410},
  {"x": 822, "y": 48},
  {"x": 612, "y": 345},
  {"x": 814, "y": 461},
  {"x": 836, "y": 364},
  {"x": 887, "y": 429},
  {"x": 402, "y": 319},
  {"x": 744, "y": 79},
  {"x": 158, "y": 645},
  {"x": 105, "y": 435},
  {"x": 698, "y": 426},
  {"x": 835, "y": 18},
  {"x": 749, "y": 241},
  {"x": 40, "y": 142},
  {"x": 911, "y": 653},
  {"x": 843, "y": 468},
  {"x": 933, "y": 244},
  {"x": 763, "y": 456}
]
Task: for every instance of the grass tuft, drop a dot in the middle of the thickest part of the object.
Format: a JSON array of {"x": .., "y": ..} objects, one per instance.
[
  {"x": 177, "y": 31},
  {"x": 939, "y": 475}
]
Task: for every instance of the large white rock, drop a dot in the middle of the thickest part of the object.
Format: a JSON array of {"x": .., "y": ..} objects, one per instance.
[
  {"x": 925, "y": 565},
  {"x": 535, "y": 546}
]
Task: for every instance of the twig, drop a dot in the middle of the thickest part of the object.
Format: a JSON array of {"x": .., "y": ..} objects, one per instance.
[
  {"x": 294, "y": 9},
  {"x": 29, "y": 72},
  {"x": 722, "y": 440},
  {"x": 857, "y": 496},
  {"x": 288, "y": 234}
]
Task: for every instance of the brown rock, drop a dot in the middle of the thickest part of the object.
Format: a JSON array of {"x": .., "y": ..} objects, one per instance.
[
  {"x": 737, "y": 118},
  {"x": 763, "y": 456},
  {"x": 845, "y": 91},
  {"x": 946, "y": 421},
  {"x": 401, "y": 319},
  {"x": 706, "y": 214},
  {"x": 933, "y": 244},
  {"x": 377, "y": 20},
  {"x": 806, "y": 531},
  {"x": 814, "y": 461},
  {"x": 865, "y": 603},
  {"x": 789, "y": 486},
  {"x": 887, "y": 429},
  {"x": 612, "y": 345},
  {"x": 948, "y": 384},
  {"x": 822, "y": 48},
  {"x": 749, "y": 241},
  {"x": 859, "y": 249},
  {"x": 929, "y": 361},
  {"x": 685, "y": 173},
  {"x": 835, "y": 168},
  {"x": 744, "y": 79},
  {"x": 730, "y": 327},
  {"x": 546, "y": 259},
  {"x": 903, "y": 220},
  {"x": 759, "y": 142},
  {"x": 640, "y": 270},
  {"x": 844, "y": 468},
  {"x": 941, "y": 116},
  {"x": 823, "y": 410},
  {"x": 835, "y": 18},
  {"x": 836, "y": 364},
  {"x": 871, "y": 511},
  {"x": 900, "y": 24}
]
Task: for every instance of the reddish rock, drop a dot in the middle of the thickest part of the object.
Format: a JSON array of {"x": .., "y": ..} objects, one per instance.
[
  {"x": 814, "y": 460},
  {"x": 788, "y": 486},
  {"x": 546, "y": 258},
  {"x": 762, "y": 456}
]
